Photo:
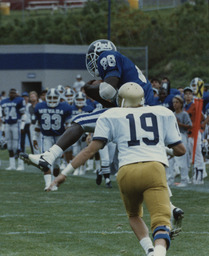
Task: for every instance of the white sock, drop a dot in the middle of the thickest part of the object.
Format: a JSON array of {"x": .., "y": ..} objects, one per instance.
[
  {"x": 20, "y": 163},
  {"x": 159, "y": 250},
  {"x": 90, "y": 163},
  {"x": 172, "y": 207},
  {"x": 97, "y": 164},
  {"x": 53, "y": 153},
  {"x": 47, "y": 179},
  {"x": 146, "y": 244},
  {"x": 56, "y": 150},
  {"x": 12, "y": 162}
]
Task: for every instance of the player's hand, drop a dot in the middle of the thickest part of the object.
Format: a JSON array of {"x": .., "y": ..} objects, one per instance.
[
  {"x": 57, "y": 181},
  {"x": 22, "y": 131},
  {"x": 35, "y": 144},
  {"x": 3, "y": 134},
  {"x": 89, "y": 138}
]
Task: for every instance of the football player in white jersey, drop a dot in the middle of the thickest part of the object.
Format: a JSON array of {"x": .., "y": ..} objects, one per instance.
[{"x": 141, "y": 134}]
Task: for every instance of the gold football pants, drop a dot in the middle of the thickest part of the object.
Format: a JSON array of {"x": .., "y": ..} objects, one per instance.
[{"x": 146, "y": 182}]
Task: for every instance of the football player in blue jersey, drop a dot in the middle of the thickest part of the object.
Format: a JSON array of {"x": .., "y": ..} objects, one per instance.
[
  {"x": 61, "y": 90},
  {"x": 80, "y": 107},
  {"x": 68, "y": 154},
  {"x": 164, "y": 99},
  {"x": 13, "y": 111},
  {"x": 52, "y": 118},
  {"x": 102, "y": 59}
]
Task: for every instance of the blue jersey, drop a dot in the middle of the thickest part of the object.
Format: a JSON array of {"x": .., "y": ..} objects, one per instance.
[
  {"x": 114, "y": 64},
  {"x": 52, "y": 120},
  {"x": 84, "y": 109},
  {"x": 168, "y": 102},
  {"x": 12, "y": 109},
  {"x": 94, "y": 104},
  {"x": 174, "y": 91}
]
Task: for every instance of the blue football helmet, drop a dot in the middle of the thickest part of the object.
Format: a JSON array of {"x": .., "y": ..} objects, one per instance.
[{"x": 94, "y": 50}]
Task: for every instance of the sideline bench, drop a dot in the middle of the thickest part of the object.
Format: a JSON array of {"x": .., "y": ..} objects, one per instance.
[{"x": 42, "y": 5}]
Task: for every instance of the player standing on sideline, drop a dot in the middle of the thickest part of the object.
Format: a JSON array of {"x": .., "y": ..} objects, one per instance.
[
  {"x": 52, "y": 116},
  {"x": 79, "y": 107},
  {"x": 78, "y": 84},
  {"x": 69, "y": 96},
  {"x": 199, "y": 165},
  {"x": 184, "y": 123},
  {"x": 141, "y": 134},
  {"x": 13, "y": 110}
]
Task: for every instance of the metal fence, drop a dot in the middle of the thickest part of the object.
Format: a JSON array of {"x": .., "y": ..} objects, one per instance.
[
  {"x": 149, "y": 5},
  {"x": 139, "y": 56}
]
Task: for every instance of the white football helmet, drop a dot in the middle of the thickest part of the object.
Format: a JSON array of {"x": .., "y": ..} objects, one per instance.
[
  {"x": 130, "y": 95},
  {"x": 94, "y": 50},
  {"x": 69, "y": 95},
  {"x": 80, "y": 99},
  {"x": 52, "y": 98},
  {"x": 195, "y": 83},
  {"x": 61, "y": 90}
]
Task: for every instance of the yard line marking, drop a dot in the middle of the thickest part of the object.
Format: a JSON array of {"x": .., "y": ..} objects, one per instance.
[{"x": 89, "y": 232}]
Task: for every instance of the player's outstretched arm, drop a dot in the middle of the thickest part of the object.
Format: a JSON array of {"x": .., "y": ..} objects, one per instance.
[{"x": 79, "y": 160}]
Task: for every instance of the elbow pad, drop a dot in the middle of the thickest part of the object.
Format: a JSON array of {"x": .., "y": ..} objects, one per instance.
[{"x": 107, "y": 91}]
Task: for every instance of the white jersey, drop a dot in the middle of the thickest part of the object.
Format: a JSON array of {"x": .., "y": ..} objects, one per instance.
[{"x": 141, "y": 134}]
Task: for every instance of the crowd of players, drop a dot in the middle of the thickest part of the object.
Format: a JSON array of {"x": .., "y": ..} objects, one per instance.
[
  {"x": 19, "y": 115},
  {"x": 53, "y": 122},
  {"x": 43, "y": 119}
]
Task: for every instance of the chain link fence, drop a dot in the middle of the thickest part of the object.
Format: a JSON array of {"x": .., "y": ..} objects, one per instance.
[{"x": 149, "y": 5}]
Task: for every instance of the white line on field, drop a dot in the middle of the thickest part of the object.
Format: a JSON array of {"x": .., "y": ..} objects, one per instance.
[
  {"x": 82, "y": 215},
  {"x": 89, "y": 232}
]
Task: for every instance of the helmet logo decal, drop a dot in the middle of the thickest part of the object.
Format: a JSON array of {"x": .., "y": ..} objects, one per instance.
[{"x": 100, "y": 47}]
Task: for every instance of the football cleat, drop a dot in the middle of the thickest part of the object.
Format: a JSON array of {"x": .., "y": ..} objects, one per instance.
[
  {"x": 54, "y": 188},
  {"x": 10, "y": 168},
  {"x": 178, "y": 215},
  {"x": 108, "y": 184},
  {"x": 36, "y": 160},
  {"x": 99, "y": 177},
  {"x": 76, "y": 172},
  {"x": 150, "y": 252}
]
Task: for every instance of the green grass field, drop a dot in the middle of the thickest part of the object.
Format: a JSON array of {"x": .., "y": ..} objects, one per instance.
[{"x": 83, "y": 219}]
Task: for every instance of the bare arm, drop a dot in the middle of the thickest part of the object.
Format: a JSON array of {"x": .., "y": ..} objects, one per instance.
[
  {"x": 179, "y": 150},
  {"x": 79, "y": 160},
  {"x": 87, "y": 153}
]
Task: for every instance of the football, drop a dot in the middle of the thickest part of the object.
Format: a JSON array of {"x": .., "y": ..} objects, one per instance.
[{"x": 96, "y": 82}]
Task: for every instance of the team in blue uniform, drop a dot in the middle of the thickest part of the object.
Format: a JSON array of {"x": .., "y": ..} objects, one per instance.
[{"x": 52, "y": 118}]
